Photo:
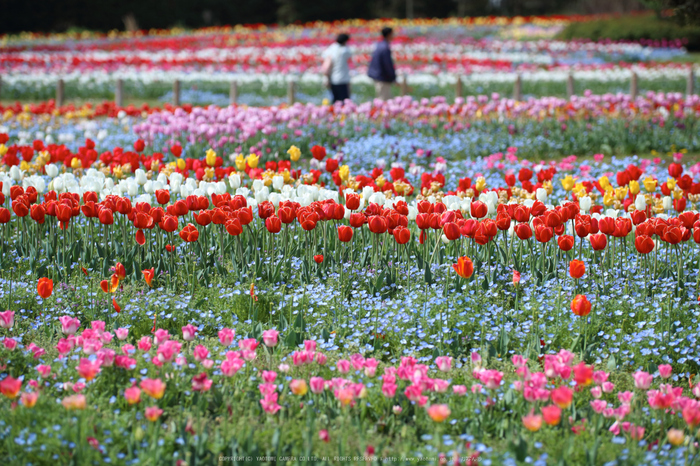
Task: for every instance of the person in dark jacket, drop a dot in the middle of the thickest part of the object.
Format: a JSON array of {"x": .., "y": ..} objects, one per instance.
[{"x": 381, "y": 67}]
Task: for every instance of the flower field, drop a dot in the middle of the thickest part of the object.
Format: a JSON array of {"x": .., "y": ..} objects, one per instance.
[
  {"x": 412, "y": 281},
  {"x": 487, "y": 54}
]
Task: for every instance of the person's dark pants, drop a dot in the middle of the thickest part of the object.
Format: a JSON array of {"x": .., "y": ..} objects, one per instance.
[{"x": 340, "y": 92}]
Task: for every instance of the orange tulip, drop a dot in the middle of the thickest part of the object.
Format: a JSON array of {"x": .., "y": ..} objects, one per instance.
[
  {"x": 148, "y": 275},
  {"x": 464, "y": 267},
  {"x": 577, "y": 269},
  {"x": 45, "y": 287},
  {"x": 120, "y": 271},
  {"x": 580, "y": 306},
  {"x": 116, "y": 306},
  {"x": 110, "y": 286}
]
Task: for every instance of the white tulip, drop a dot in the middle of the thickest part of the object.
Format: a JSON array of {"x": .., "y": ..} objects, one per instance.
[
  {"x": 412, "y": 212},
  {"x": 185, "y": 191},
  {"x": 444, "y": 239},
  {"x": 15, "y": 173},
  {"x": 667, "y": 203},
  {"x": 275, "y": 198},
  {"x": 221, "y": 187},
  {"x": 277, "y": 182},
  {"x": 140, "y": 176},
  {"x": 58, "y": 184},
  {"x": 257, "y": 185},
  {"x": 640, "y": 202},
  {"x": 51, "y": 170},
  {"x": 132, "y": 189},
  {"x": 585, "y": 203},
  {"x": 541, "y": 195},
  {"x": 162, "y": 179},
  {"x": 148, "y": 187},
  {"x": 234, "y": 180}
]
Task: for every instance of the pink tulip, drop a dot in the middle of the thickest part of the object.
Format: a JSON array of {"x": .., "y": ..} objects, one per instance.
[
  {"x": 444, "y": 363},
  {"x": 269, "y": 376},
  {"x": 122, "y": 333},
  {"x": 88, "y": 369},
  {"x": 132, "y": 395},
  {"x": 642, "y": 380},
  {"x": 188, "y": 332},
  {"x": 665, "y": 371},
  {"x": 69, "y": 325},
  {"x": 43, "y": 370},
  {"x": 226, "y": 336},
  {"x": 317, "y": 384},
  {"x": 144, "y": 344},
  {"x": 7, "y": 319},
  {"x": 460, "y": 390},
  {"x": 343, "y": 366},
  {"x": 9, "y": 343},
  {"x": 323, "y": 436},
  {"x": 270, "y": 338},
  {"x": 200, "y": 353}
]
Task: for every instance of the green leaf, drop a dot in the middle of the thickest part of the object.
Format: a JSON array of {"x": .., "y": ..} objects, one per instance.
[{"x": 612, "y": 364}]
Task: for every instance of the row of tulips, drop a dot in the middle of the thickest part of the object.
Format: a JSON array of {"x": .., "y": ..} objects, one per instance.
[{"x": 150, "y": 378}]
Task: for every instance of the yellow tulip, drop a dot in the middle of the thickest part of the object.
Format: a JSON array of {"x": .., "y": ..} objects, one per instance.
[
  {"x": 480, "y": 183},
  {"x": 677, "y": 193},
  {"x": 286, "y": 175},
  {"x": 181, "y": 164},
  {"x": 240, "y": 162},
  {"x": 294, "y": 153},
  {"x": 650, "y": 184},
  {"x": 568, "y": 183},
  {"x": 211, "y": 157},
  {"x": 608, "y": 198},
  {"x": 344, "y": 172},
  {"x": 604, "y": 182},
  {"x": 380, "y": 181},
  {"x": 252, "y": 160},
  {"x": 3, "y": 150},
  {"x": 634, "y": 186},
  {"x": 671, "y": 183},
  {"x": 75, "y": 163}
]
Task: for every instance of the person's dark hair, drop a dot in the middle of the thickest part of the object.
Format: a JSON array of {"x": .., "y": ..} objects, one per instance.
[
  {"x": 386, "y": 32},
  {"x": 342, "y": 38}
]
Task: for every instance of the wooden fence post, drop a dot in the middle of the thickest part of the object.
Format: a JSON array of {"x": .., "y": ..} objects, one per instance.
[
  {"x": 59, "y": 93},
  {"x": 518, "y": 88},
  {"x": 634, "y": 86},
  {"x": 570, "y": 85},
  {"x": 458, "y": 87},
  {"x": 690, "y": 83},
  {"x": 119, "y": 94},
  {"x": 176, "y": 93},
  {"x": 291, "y": 88},
  {"x": 233, "y": 93}
]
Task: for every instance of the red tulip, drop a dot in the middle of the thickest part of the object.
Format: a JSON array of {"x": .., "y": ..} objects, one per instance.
[
  {"x": 451, "y": 231},
  {"x": 318, "y": 152},
  {"x": 110, "y": 286},
  {"x": 273, "y": 224},
  {"x": 577, "y": 268},
  {"x": 169, "y": 223},
  {"x": 148, "y": 275},
  {"x": 162, "y": 196},
  {"x": 566, "y": 242},
  {"x": 478, "y": 209},
  {"x": 523, "y": 231},
  {"x": 598, "y": 241},
  {"x": 377, "y": 225},
  {"x": 644, "y": 244},
  {"x": 203, "y": 218},
  {"x": 20, "y": 208},
  {"x": 38, "y": 213},
  {"x": 345, "y": 233},
  {"x": 234, "y": 227},
  {"x": 45, "y": 287},
  {"x": 464, "y": 267},
  {"x": 402, "y": 235},
  {"x": 543, "y": 234},
  {"x": 116, "y": 306},
  {"x": 318, "y": 258},
  {"x": 580, "y": 306},
  {"x": 105, "y": 216},
  {"x": 189, "y": 234},
  {"x": 352, "y": 201}
]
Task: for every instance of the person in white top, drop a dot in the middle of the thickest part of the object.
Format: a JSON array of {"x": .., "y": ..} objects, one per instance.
[{"x": 336, "y": 69}]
